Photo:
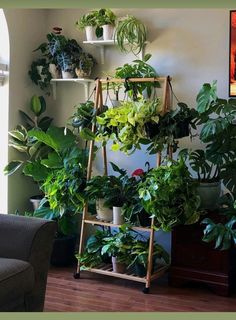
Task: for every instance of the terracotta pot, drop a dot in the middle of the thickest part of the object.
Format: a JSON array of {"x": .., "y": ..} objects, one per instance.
[{"x": 54, "y": 71}]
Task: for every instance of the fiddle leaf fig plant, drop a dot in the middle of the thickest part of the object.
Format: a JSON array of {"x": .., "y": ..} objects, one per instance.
[{"x": 20, "y": 139}]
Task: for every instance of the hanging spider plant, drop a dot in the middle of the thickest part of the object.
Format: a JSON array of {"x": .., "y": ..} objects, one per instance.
[{"x": 131, "y": 35}]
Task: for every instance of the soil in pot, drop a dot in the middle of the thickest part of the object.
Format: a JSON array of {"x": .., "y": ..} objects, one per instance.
[{"x": 63, "y": 251}]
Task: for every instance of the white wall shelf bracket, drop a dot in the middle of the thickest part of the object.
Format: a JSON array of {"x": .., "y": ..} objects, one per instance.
[{"x": 84, "y": 82}]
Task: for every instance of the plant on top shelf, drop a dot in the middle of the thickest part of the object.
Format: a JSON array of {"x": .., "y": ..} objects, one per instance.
[
  {"x": 106, "y": 21},
  {"x": 169, "y": 194},
  {"x": 125, "y": 125},
  {"x": 139, "y": 69},
  {"x": 94, "y": 21},
  {"x": 20, "y": 139},
  {"x": 130, "y": 34}
]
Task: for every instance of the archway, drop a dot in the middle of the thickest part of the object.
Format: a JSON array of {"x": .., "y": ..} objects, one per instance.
[{"x": 4, "y": 105}]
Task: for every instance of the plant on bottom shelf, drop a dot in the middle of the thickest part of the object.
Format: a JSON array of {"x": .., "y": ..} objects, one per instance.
[
  {"x": 169, "y": 194},
  {"x": 139, "y": 256},
  {"x": 92, "y": 257}
]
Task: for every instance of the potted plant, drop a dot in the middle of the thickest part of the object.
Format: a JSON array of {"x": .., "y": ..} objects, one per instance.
[
  {"x": 23, "y": 143},
  {"x": 106, "y": 20},
  {"x": 139, "y": 256},
  {"x": 62, "y": 179},
  {"x": 118, "y": 247},
  {"x": 138, "y": 69},
  {"x": 125, "y": 125},
  {"x": 96, "y": 189},
  {"x": 40, "y": 75},
  {"x": 169, "y": 194},
  {"x": 92, "y": 256},
  {"x": 84, "y": 66},
  {"x": 88, "y": 23},
  {"x": 130, "y": 34}
]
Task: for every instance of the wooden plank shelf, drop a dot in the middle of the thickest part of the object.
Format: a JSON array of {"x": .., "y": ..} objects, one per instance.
[
  {"x": 106, "y": 269},
  {"x": 94, "y": 221}
]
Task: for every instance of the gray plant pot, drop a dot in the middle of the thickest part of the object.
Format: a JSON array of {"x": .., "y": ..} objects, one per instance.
[{"x": 209, "y": 193}]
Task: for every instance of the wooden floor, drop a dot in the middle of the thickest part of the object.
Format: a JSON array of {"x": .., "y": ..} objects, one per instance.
[{"x": 94, "y": 292}]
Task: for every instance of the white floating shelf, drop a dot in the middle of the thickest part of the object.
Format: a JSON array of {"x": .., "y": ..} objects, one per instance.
[
  {"x": 103, "y": 43},
  {"x": 83, "y": 81}
]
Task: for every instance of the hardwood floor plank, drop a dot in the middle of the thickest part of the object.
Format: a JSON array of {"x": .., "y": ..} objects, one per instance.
[{"x": 93, "y": 292}]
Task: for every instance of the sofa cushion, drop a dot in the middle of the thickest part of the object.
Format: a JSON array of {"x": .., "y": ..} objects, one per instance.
[{"x": 16, "y": 279}]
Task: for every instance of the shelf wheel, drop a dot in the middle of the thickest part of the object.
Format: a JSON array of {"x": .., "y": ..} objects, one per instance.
[
  {"x": 145, "y": 290},
  {"x": 77, "y": 275}
]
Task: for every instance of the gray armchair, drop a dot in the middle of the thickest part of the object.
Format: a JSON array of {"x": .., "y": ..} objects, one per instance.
[{"x": 25, "y": 248}]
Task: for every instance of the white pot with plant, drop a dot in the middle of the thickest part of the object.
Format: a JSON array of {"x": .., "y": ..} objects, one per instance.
[
  {"x": 88, "y": 23},
  {"x": 53, "y": 69},
  {"x": 106, "y": 21}
]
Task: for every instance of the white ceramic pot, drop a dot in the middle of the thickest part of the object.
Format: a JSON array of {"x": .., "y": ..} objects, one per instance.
[
  {"x": 117, "y": 266},
  {"x": 54, "y": 71},
  {"x": 108, "y": 32},
  {"x": 117, "y": 215},
  {"x": 90, "y": 33},
  {"x": 209, "y": 193},
  {"x": 67, "y": 75},
  {"x": 103, "y": 213},
  {"x": 35, "y": 200}
]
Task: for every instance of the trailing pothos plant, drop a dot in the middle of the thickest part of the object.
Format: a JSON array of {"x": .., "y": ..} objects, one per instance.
[
  {"x": 169, "y": 194},
  {"x": 125, "y": 125}
]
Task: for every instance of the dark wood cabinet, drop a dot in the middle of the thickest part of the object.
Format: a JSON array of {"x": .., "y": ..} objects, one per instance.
[{"x": 192, "y": 260}]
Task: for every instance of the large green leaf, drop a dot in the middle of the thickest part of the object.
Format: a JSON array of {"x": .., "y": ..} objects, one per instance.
[
  {"x": 12, "y": 167},
  {"x": 54, "y": 137},
  {"x": 206, "y": 96},
  {"x": 228, "y": 174},
  {"x": 87, "y": 134},
  {"x": 53, "y": 161},
  {"x": 36, "y": 170}
]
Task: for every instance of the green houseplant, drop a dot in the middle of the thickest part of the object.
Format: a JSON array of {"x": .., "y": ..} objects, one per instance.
[
  {"x": 125, "y": 125},
  {"x": 130, "y": 34},
  {"x": 62, "y": 178},
  {"x": 20, "y": 139},
  {"x": 169, "y": 194},
  {"x": 40, "y": 75},
  {"x": 138, "y": 69},
  {"x": 88, "y": 23}
]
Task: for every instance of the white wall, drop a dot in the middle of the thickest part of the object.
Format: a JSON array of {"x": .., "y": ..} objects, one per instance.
[
  {"x": 4, "y": 98},
  {"x": 26, "y": 30},
  {"x": 190, "y": 45}
]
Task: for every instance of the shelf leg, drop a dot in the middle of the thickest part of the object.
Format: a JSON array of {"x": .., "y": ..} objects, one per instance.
[
  {"x": 86, "y": 91},
  {"x": 54, "y": 91}
]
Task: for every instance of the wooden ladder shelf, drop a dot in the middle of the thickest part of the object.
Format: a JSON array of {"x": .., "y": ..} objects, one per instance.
[{"x": 87, "y": 219}]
